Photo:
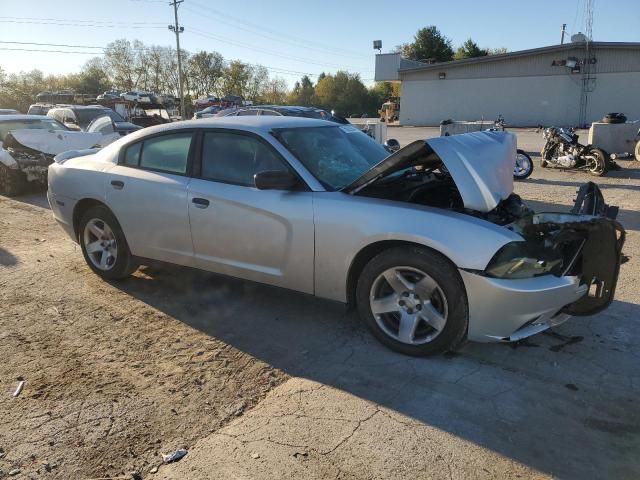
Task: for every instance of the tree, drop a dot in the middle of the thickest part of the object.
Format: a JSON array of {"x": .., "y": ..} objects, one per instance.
[
  {"x": 343, "y": 92},
  {"x": 428, "y": 45},
  {"x": 235, "y": 78},
  {"x": 469, "y": 49},
  {"x": 205, "y": 70},
  {"x": 119, "y": 59},
  {"x": 274, "y": 91},
  {"x": 302, "y": 93},
  {"x": 93, "y": 78},
  {"x": 256, "y": 83},
  {"x": 497, "y": 51}
]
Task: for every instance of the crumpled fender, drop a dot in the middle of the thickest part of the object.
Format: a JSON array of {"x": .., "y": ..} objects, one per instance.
[{"x": 6, "y": 159}]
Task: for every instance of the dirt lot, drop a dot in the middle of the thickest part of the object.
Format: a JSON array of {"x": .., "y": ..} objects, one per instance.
[
  {"x": 111, "y": 382},
  {"x": 118, "y": 374}
]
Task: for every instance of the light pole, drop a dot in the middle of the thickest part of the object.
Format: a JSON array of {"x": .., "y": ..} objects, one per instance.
[{"x": 177, "y": 29}]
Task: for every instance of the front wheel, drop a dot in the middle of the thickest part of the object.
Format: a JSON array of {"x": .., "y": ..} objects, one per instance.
[
  {"x": 524, "y": 165},
  {"x": 103, "y": 244},
  {"x": 596, "y": 161},
  {"x": 413, "y": 300}
]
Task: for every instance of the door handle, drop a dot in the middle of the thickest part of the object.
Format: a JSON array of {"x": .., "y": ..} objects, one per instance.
[
  {"x": 117, "y": 184},
  {"x": 200, "y": 202}
]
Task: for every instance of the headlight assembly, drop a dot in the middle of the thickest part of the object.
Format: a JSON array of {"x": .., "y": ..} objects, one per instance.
[{"x": 523, "y": 260}]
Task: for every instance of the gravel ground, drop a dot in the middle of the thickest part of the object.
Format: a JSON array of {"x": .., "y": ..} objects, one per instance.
[{"x": 117, "y": 374}]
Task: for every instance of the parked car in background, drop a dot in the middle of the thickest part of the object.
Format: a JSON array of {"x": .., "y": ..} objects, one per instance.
[
  {"x": 110, "y": 122},
  {"x": 134, "y": 96},
  {"x": 109, "y": 95},
  {"x": 39, "y": 109},
  {"x": 79, "y": 117},
  {"x": 9, "y": 111},
  {"x": 287, "y": 111},
  {"x": 207, "y": 112},
  {"x": 429, "y": 243}
]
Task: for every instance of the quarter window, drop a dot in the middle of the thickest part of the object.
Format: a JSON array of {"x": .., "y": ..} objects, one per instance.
[
  {"x": 132, "y": 155},
  {"x": 235, "y": 158}
]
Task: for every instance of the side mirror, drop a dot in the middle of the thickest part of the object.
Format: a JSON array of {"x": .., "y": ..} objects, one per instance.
[
  {"x": 392, "y": 145},
  {"x": 274, "y": 180}
]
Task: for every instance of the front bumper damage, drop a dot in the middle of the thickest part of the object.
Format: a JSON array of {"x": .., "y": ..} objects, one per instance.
[{"x": 590, "y": 240}]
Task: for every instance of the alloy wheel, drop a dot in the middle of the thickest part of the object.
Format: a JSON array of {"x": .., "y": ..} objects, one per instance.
[
  {"x": 408, "y": 305},
  {"x": 100, "y": 244}
]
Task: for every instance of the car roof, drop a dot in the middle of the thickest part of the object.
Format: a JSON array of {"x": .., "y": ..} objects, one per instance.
[
  {"x": 80, "y": 107},
  {"x": 253, "y": 124},
  {"x": 23, "y": 116}
]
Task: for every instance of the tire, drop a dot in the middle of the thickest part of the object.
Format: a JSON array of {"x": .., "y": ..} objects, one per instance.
[
  {"x": 524, "y": 165},
  {"x": 12, "y": 182},
  {"x": 599, "y": 168},
  {"x": 637, "y": 151},
  {"x": 432, "y": 326},
  {"x": 118, "y": 262}
]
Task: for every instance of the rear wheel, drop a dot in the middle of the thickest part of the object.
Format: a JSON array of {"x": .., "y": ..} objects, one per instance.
[
  {"x": 103, "y": 244},
  {"x": 524, "y": 165},
  {"x": 414, "y": 301},
  {"x": 596, "y": 162},
  {"x": 12, "y": 181}
]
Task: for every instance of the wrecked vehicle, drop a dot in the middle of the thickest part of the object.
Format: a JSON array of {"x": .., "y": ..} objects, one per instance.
[
  {"x": 28, "y": 144},
  {"x": 430, "y": 243}
]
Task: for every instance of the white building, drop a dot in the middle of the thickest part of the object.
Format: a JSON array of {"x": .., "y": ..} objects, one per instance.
[{"x": 562, "y": 85}]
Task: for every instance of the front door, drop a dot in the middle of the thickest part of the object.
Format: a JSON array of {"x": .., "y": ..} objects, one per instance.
[{"x": 238, "y": 230}]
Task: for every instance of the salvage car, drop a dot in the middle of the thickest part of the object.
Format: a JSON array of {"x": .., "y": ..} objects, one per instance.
[
  {"x": 288, "y": 111},
  {"x": 429, "y": 243},
  {"x": 28, "y": 144}
]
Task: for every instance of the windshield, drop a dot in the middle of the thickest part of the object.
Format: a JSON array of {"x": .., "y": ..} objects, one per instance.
[
  {"x": 85, "y": 115},
  {"x": 115, "y": 116},
  {"x": 39, "y": 124},
  {"x": 336, "y": 156}
]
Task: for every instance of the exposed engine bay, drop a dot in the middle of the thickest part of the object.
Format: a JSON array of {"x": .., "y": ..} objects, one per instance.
[{"x": 585, "y": 242}]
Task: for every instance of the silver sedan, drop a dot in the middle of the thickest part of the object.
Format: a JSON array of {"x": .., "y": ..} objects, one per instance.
[{"x": 429, "y": 243}]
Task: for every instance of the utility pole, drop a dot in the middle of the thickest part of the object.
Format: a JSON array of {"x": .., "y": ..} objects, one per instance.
[
  {"x": 562, "y": 32},
  {"x": 177, "y": 29}
]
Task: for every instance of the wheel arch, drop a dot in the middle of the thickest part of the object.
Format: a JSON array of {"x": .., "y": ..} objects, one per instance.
[
  {"x": 363, "y": 257},
  {"x": 81, "y": 207}
]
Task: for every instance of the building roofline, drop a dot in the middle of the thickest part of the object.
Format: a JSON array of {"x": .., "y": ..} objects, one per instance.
[{"x": 519, "y": 53}]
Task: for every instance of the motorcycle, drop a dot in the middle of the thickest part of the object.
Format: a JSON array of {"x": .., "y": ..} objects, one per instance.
[
  {"x": 562, "y": 150},
  {"x": 523, "y": 167}
]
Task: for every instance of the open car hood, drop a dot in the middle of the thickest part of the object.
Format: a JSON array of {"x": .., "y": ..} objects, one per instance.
[{"x": 480, "y": 163}]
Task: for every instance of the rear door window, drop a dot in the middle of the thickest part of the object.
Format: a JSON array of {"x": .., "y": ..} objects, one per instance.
[{"x": 167, "y": 153}]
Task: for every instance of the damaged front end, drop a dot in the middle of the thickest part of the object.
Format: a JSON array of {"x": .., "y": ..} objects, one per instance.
[
  {"x": 586, "y": 243},
  {"x": 582, "y": 250},
  {"x": 32, "y": 163}
]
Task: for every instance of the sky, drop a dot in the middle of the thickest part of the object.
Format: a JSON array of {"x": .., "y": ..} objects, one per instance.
[{"x": 292, "y": 37}]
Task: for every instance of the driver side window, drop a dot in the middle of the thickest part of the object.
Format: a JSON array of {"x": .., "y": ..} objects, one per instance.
[{"x": 235, "y": 158}]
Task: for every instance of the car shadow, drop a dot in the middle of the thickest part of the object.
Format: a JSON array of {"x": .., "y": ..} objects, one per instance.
[
  {"x": 7, "y": 259},
  {"x": 35, "y": 197},
  {"x": 563, "y": 404}
]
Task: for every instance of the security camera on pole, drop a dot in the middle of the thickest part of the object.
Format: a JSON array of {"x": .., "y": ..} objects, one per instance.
[{"x": 177, "y": 29}]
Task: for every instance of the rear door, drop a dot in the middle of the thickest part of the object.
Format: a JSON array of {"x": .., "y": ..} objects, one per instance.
[
  {"x": 147, "y": 191},
  {"x": 261, "y": 235}
]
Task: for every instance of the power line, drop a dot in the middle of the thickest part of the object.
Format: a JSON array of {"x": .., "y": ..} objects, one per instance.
[
  {"x": 273, "y": 37},
  {"x": 260, "y": 50},
  {"x": 50, "y": 51},
  {"x": 298, "y": 40}
]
